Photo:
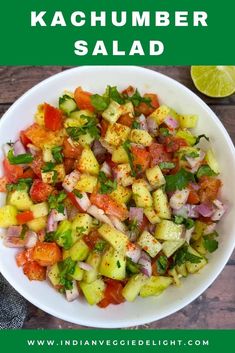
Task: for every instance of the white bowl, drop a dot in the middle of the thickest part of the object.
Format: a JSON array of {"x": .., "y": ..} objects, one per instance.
[{"x": 170, "y": 92}]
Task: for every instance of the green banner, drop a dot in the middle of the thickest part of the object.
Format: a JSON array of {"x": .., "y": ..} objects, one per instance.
[
  {"x": 150, "y": 32},
  {"x": 161, "y": 341}
]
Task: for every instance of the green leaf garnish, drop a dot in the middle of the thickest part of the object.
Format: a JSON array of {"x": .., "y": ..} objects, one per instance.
[
  {"x": 166, "y": 165},
  {"x": 57, "y": 154},
  {"x": 205, "y": 170},
  {"x": 106, "y": 185},
  {"x": 179, "y": 180},
  {"x": 209, "y": 242},
  {"x": 24, "y": 158},
  {"x": 162, "y": 264},
  {"x": 89, "y": 127}
]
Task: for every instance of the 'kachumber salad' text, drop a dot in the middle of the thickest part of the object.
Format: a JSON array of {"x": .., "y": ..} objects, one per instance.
[{"x": 110, "y": 196}]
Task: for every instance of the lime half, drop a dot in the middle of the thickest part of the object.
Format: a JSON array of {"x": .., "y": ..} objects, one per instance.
[{"x": 214, "y": 81}]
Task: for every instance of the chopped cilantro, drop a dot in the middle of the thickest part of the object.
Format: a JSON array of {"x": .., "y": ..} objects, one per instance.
[
  {"x": 162, "y": 264},
  {"x": 132, "y": 267},
  {"x": 136, "y": 99},
  {"x": 89, "y": 127},
  {"x": 48, "y": 167},
  {"x": 133, "y": 225},
  {"x": 127, "y": 147},
  {"x": 164, "y": 131},
  {"x": 77, "y": 193},
  {"x": 24, "y": 158},
  {"x": 205, "y": 170},
  {"x": 188, "y": 222},
  {"x": 166, "y": 165},
  {"x": 66, "y": 269},
  {"x": 49, "y": 237},
  {"x": 182, "y": 255},
  {"x": 135, "y": 125},
  {"x": 21, "y": 185},
  {"x": 23, "y": 232},
  {"x": 112, "y": 93},
  {"x": 106, "y": 185},
  {"x": 55, "y": 202},
  {"x": 209, "y": 242},
  {"x": 80, "y": 230},
  {"x": 57, "y": 154},
  {"x": 179, "y": 180},
  {"x": 178, "y": 219},
  {"x": 192, "y": 154},
  {"x": 100, "y": 245},
  {"x": 99, "y": 102}
]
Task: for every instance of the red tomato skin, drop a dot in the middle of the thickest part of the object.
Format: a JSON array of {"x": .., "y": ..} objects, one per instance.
[
  {"x": 34, "y": 271},
  {"x": 24, "y": 217},
  {"x": 70, "y": 151},
  {"x": 24, "y": 139},
  {"x": 111, "y": 207},
  {"x": 40, "y": 191},
  {"x": 83, "y": 99},
  {"x": 3, "y": 184},
  {"x": 37, "y": 165},
  {"x": 91, "y": 239},
  {"x": 141, "y": 157},
  {"x": 158, "y": 154},
  {"x": 52, "y": 118},
  {"x": 126, "y": 120},
  {"x": 112, "y": 294},
  {"x": 72, "y": 198},
  {"x": 46, "y": 254},
  {"x": 103, "y": 127},
  {"x": 12, "y": 172}
]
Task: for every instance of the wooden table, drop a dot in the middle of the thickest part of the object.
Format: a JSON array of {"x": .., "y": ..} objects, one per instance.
[{"x": 214, "y": 308}]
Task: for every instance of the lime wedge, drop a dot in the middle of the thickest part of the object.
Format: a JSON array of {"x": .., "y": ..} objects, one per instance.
[{"x": 214, "y": 81}]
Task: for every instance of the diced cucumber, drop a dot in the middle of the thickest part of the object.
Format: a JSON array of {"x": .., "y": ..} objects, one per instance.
[
  {"x": 93, "y": 292},
  {"x": 79, "y": 251},
  {"x": 54, "y": 275},
  {"x": 37, "y": 224},
  {"x": 47, "y": 155},
  {"x": 181, "y": 270},
  {"x": 174, "y": 274},
  {"x": 121, "y": 194},
  {"x": 141, "y": 137},
  {"x": 161, "y": 204},
  {"x": 117, "y": 239},
  {"x": 40, "y": 209},
  {"x": 168, "y": 230},
  {"x": 188, "y": 121},
  {"x": 113, "y": 264},
  {"x": 67, "y": 104},
  {"x": 147, "y": 242},
  {"x": 160, "y": 114},
  {"x": 187, "y": 136},
  {"x": 212, "y": 162},
  {"x": 141, "y": 194},
  {"x": 88, "y": 163},
  {"x": 119, "y": 155},
  {"x": 8, "y": 216},
  {"x": 195, "y": 267},
  {"x": 116, "y": 134},
  {"x": 78, "y": 273},
  {"x": 81, "y": 225},
  {"x": 112, "y": 113},
  {"x": 64, "y": 234},
  {"x": 170, "y": 246},
  {"x": 133, "y": 287},
  {"x": 155, "y": 176},
  {"x": 198, "y": 245},
  {"x": 155, "y": 285},
  {"x": 151, "y": 215},
  {"x": 20, "y": 199},
  {"x": 93, "y": 260},
  {"x": 198, "y": 230}
]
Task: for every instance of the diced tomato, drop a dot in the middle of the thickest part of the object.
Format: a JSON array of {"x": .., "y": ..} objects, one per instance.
[
  {"x": 72, "y": 198},
  {"x": 3, "y": 184},
  {"x": 141, "y": 157},
  {"x": 147, "y": 109},
  {"x": 91, "y": 239},
  {"x": 12, "y": 172},
  {"x": 103, "y": 127},
  {"x": 158, "y": 154},
  {"x": 144, "y": 224},
  {"x": 126, "y": 120},
  {"x": 193, "y": 197},
  {"x": 111, "y": 207},
  {"x": 129, "y": 91},
  {"x": 71, "y": 151},
  {"x": 29, "y": 173},
  {"x": 83, "y": 99},
  {"x": 40, "y": 136},
  {"x": 52, "y": 118},
  {"x": 24, "y": 139},
  {"x": 111, "y": 163},
  {"x": 37, "y": 165},
  {"x": 112, "y": 294},
  {"x": 173, "y": 144},
  {"x": 24, "y": 256},
  {"x": 34, "y": 271},
  {"x": 209, "y": 188},
  {"x": 46, "y": 254},
  {"x": 69, "y": 165},
  {"x": 24, "y": 217},
  {"x": 40, "y": 191}
]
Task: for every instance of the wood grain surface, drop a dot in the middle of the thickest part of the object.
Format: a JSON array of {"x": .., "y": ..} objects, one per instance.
[{"x": 215, "y": 308}]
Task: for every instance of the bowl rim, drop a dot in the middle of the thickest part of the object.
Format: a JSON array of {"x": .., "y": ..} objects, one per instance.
[{"x": 197, "y": 292}]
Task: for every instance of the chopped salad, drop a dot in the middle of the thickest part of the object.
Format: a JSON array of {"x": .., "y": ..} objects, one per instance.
[{"x": 110, "y": 196}]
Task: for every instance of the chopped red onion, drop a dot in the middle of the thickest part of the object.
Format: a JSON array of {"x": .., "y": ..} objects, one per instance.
[
  {"x": 205, "y": 209},
  {"x": 133, "y": 252},
  {"x": 99, "y": 151},
  {"x": 51, "y": 222},
  {"x": 188, "y": 234},
  {"x": 99, "y": 214},
  {"x": 195, "y": 186},
  {"x": 195, "y": 162},
  {"x": 179, "y": 198},
  {"x": 72, "y": 213},
  {"x": 145, "y": 256},
  {"x": 84, "y": 266},
  {"x": 219, "y": 211},
  {"x": 14, "y": 242},
  {"x": 152, "y": 126},
  {"x": 106, "y": 169},
  {"x": 6, "y": 148},
  {"x": 193, "y": 213},
  {"x": 31, "y": 239},
  {"x": 117, "y": 223},
  {"x": 136, "y": 213},
  {"x": 72, "y": 294},
  {"x": 14, "y": 231},
  {"x": 84, "y": 201},
  {"x": 142, "y": 121},
  {"x": 146, "y": 267},
  {"x": 107, "y": 146},
  {"x": 59, "y": 216},
  {"x": 33, "y": 149},
  {"x": 171, "y": 122},
  {"x": 18, "y": 148},
  {"x": 151, "y": 228},
  {"x": 187, "y": 211},
  {"x": 71, "y": 180}
]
